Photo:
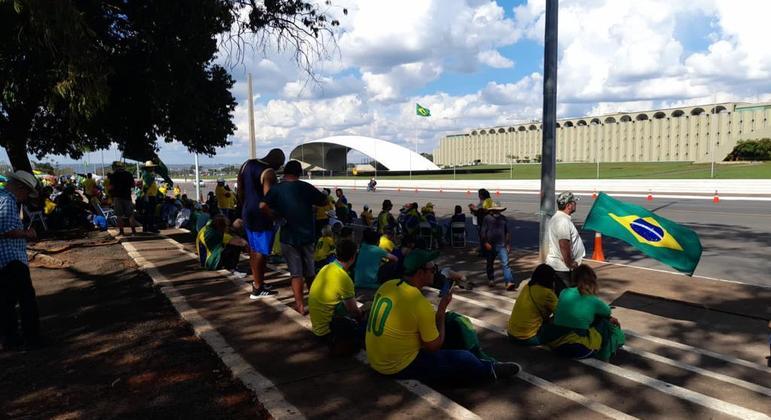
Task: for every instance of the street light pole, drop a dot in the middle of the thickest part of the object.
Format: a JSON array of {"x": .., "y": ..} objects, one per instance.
[
  {"x": 197, "y": 181},
  {"x": 548, "y": 155},
  {"x": 252, "y": 141}
]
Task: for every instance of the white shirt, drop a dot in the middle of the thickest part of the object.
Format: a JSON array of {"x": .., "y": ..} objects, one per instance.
[{"x": 561, "y": 227}]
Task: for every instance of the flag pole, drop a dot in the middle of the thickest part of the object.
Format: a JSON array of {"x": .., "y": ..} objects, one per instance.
[{"x": 548, "y": 155}]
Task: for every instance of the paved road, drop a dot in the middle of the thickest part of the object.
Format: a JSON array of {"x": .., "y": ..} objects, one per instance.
[{"x": 736, "y": 235}]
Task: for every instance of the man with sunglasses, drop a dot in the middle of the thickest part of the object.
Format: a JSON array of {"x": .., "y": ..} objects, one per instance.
[{"x": 405, "y": 335}]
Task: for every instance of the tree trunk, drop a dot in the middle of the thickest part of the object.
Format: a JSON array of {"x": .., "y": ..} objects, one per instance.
[{"x": 17, "y": 154}]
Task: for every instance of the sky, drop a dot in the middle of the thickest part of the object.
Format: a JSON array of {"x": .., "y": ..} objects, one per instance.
[{"x": 479, "y": 63}]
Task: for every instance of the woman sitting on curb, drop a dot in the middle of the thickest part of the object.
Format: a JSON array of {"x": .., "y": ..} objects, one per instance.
[
  {"x": 533, "y": 308},
  {"x": 582, "y": 324}
]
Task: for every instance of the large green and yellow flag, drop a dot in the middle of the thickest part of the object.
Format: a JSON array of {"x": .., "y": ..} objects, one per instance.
[
  {"x": 422, "y": 111},
  {"x": 657, "y": 237}
]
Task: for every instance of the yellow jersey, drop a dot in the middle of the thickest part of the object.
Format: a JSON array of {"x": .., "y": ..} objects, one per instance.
[
  {"x": 400, "y": 321},
  {"x": 331, "y": 286},
  {"x": 487, "y": 204},
  {"x": 325, "y": 247},
  {"x": 532, "y": 306},
  {"x": 321, "y": 211},
  {"x": 387, "y": 244}
]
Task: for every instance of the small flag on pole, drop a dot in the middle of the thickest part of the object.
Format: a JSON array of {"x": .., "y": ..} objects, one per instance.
[
  {"x": 422, "y": 111},
  {"x": 657, "y": 237}
]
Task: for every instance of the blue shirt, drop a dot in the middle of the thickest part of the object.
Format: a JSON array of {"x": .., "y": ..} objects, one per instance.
[
  {"x": 367, "y": 266},
  {"x": 10, "y": 249}
]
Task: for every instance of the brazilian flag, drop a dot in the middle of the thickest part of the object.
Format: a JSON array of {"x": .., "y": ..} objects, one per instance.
[
  {"x": 657, "y": 237},
  {"x": 422, "y": 111}
]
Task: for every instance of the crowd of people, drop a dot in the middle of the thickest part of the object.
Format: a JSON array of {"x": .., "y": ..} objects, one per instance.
[{"x": 361, "y": 294}]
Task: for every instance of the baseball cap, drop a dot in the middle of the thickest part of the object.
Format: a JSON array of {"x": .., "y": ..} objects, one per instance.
[
  {"x": 565, "y": 198},
  {"x": 417, "y": 259},
  {"x": 28, "y": 180}
]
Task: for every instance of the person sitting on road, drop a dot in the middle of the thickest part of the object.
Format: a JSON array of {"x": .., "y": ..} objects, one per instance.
[
  {"x": 325, "y": 248},
  {"x": 368, "y": 264},
  {"x": 366, "y": 216},
  {"x": 335, "y": 316},
  {"x": 534, "y": 307},
  {"x": 583, "y": 326},
  {"x": 387, "y": 240},
  {"x": 406, "y": 338},
  {"x": 219, "y": 249},
  {"x": 385, "y": 219}
]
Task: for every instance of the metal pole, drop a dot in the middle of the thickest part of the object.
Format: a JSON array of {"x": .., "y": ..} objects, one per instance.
[
  {"x": 101, "y": 151},
  {"x": 197, "y": 181},
  {"x": 252, "y": 141},
  {"x": 712, "y": 145},
  {"x": 548, "y": 155}
]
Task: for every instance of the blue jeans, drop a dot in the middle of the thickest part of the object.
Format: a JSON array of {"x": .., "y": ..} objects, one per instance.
[
  {"x": 448, "y": 367},
  {"x": 503, "y": 255}
]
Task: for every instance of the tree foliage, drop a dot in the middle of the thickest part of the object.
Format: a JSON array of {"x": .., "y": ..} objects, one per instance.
[
  {"x": 751, "y": 150},
  {"x": 81, "y": 74}
]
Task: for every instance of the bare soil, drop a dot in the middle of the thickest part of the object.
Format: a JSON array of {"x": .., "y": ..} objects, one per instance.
[{"x": 116, "y": 347}]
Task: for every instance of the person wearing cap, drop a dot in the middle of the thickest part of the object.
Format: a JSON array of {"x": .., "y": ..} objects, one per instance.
[
  {"x": 255, "y": 179},
  {"x": 293, "y": 201},
  {"x": 149, "y": 197},
  {"x": 15, "y": 282},
  {"x": 385, "y": 219},
  {"x": 566, "y": 250},
  {"x": 405, "y": 336},
  {"x": 496, "y": 241}
]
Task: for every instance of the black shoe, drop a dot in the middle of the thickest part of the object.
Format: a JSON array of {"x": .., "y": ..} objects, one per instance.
[
  {"x": 262, "y": 292},
  {"x": 505, "y": 370}
]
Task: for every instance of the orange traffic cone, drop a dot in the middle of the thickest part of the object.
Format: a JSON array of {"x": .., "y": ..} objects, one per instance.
[
  {"x": 594, "y": 195},
  {"x": 597, "y": 254},
  {"x": 650, "y": 196},
  {"x": 497, "y": 193},
  {"x": 468, "y": 192},
  {"x": 716, "y": 198}
]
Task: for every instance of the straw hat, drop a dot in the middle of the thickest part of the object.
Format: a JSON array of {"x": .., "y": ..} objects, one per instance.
[
  {"x": 28, "y": 180},
  {"x": 150, "y": 164}
]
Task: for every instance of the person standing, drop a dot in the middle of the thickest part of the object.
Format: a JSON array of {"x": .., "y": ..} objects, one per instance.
[
  {"x": 341, "y": 206},
  {"x": 385, "y": 219},
  {"x": 15, "y": 282},
  {"x": 121, "y": 182},
  {"x": 149, "y": 196},
  {"x": 496, "y": 241},
  {"x": 293, "y": 200},
  {"x": 255, "y": 179},
  {"x": 89, "y": 186},
  {"x": 566, "y": 250}
]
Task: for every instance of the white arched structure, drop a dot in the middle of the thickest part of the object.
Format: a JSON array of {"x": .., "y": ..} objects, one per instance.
[{"x": 331, "y": 153}]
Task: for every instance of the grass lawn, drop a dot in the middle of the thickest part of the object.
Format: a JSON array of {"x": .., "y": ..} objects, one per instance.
[{"x": 655, "y": 170}]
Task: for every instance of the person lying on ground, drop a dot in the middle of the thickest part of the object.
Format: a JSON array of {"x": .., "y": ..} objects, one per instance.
[
  {"x": 368, "y": 263},
  {"x": 325, "y": 248},
  {"x": 335, "y": 315},
  {"x": 583, "y": 326},
  {"x": 535, "y": 306},
  {"x": 496, "y": 242},
  {"x": 406, "y": 338},
  {"x": 217, "y": 248}
]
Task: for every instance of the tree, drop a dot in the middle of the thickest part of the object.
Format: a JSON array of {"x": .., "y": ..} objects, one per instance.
[
  {"x": 751, "y": 150},
  {"x": 45, "y": 167},
  {"x": 428, "y": 156},
  {"x": 80, "y": 74}
]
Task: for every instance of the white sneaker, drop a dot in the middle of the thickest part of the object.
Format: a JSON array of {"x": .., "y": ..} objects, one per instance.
[{"x": 237, "y": 274}]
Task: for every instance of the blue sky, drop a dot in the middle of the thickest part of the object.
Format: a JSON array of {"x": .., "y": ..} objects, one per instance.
[{"x": 478, "y": 63}]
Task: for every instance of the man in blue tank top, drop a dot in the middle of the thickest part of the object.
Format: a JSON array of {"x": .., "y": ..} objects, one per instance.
[{"x": 255, "y": 179}]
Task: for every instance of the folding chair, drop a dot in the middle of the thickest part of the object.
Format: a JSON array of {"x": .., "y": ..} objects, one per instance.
[
  {"x": 108, "y": 214},
  {"x": 35, "y": 216},
  {"x": 458, "y": 234},
  {"x": 426, "y": 232}
]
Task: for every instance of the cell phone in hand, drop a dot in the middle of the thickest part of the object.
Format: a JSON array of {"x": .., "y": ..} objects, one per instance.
[{"x": 446, "y": 287}]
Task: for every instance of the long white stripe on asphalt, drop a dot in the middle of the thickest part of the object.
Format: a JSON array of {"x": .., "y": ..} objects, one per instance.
[
  {"x": 657, "y": 340},
  {"x": 434, "y": 398},
  {"x": 269, "y": 395},
  {"x": 659, "y": 385}
]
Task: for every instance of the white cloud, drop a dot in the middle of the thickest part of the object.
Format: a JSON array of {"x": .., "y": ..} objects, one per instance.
[{"x": 494, "y": 59}]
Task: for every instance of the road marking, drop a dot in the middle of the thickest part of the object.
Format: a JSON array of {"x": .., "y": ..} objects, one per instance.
[
  {"x": 658, "y": 340},
  {"x": 431, "y": 396},
  {"x": 659, "y": 385},
  {"x": 270, "y": 397}
]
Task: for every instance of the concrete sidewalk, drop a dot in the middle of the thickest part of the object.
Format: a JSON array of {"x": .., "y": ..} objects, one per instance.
[{"x": 683, "y": 359}]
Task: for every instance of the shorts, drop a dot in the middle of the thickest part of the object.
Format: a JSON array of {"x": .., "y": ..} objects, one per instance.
[
  {"x": 123, "y": 207},
  {"x": 299, "y": 259},
  {"x": 260, "y": 241}
]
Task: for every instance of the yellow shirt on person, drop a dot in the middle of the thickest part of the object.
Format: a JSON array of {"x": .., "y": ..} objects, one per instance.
[
  {"x": 219, "y": 194},
  {"x": 89, "y": 185},
  {"x": 400, "y": 321},
  {"x": 325, "y": 246},
  {"x": 331, "y": 286},
  {"x": 49, "y": 207},
  {"x": 321, "y": 211},
  {"x": 387, "y": 244},
  {"x": 533, "y": 305},
  {"x": 487, "y": 204}
]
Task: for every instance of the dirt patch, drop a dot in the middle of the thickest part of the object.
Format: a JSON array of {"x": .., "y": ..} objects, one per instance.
[{"x": 116, "y": 348}]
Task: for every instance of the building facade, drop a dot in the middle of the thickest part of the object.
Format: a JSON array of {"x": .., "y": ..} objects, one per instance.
[{"x": 665, "y": 135}]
